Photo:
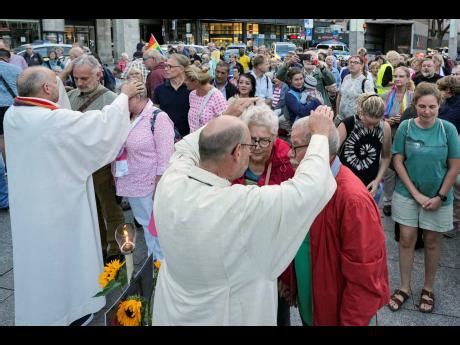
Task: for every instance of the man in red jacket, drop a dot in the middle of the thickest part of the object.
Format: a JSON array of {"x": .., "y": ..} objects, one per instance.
[
  {"x": 348, "y": 276},
  {"x": 155, "y": 63}
]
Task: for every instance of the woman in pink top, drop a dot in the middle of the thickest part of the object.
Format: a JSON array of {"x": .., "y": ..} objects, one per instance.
[
  {"x": 206, "y": 102},
  {"x": 142, "y": 162}
]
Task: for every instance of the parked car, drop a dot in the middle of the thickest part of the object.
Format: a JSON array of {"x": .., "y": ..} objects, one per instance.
[
  {"x": 280, "y": 49},
  {"x": 233, "y": 49},
  {"x": 199, "y": 49},
  {"x": 44, "y": 49},
  {"x": 340, "y": 49}
]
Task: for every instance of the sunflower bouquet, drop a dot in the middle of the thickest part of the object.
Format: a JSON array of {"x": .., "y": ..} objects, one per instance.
[
  {"x": 113, "y": 277},
  {"x": 136, "y": 310}
]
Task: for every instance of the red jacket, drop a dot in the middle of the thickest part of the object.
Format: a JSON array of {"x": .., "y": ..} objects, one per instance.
[
  {"x": 348, "y": 257},
  {"x": 281, "y": 171}
]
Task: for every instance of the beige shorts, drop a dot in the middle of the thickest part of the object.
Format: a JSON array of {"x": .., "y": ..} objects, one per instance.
[{"x": 407, "y": 211}]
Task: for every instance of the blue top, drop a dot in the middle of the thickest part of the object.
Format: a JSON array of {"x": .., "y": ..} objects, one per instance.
[
  {"x": 296, "y": 109},
  {"x": 10, "y": 73},
  {"x": 450, "y": 111},
  {"x": 175, "y": 104}
]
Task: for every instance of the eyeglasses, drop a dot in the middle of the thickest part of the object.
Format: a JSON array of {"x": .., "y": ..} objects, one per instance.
[
  {"x": 252, "y": 147},
  {"x": 146, "y": 58},
  {"x": 263, "y": 142},
  {"x": 455, "y": 74},
  {"x": 354, "y": 62},
  {"x": 171, "y": 66},
  {"x": 294, "y": 148}
]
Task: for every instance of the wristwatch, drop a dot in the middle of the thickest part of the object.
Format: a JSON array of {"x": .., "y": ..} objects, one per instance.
[{"x": 442, "y": 197}]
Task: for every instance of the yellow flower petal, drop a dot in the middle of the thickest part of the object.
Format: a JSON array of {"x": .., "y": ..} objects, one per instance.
[{"x": 129, "y": 313}]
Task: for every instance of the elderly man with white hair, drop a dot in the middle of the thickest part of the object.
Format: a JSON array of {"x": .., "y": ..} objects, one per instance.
[
  {"x": 154, "y": 61},
  {"x": 90, "y": 94},
  {"x": 341, "y": 266}
]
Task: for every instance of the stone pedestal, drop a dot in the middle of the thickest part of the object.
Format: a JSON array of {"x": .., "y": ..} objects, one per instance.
[
  {"x": 104, "y": 40},
  {"x": 453, "y": 39},
  {"x": 356, "y": 37},
  {"x": 126, "y": 35}
]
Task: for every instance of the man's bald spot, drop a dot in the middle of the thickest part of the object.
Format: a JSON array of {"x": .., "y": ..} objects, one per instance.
[
  {"x": 220, "y": 136},
  {"x": 76, "y": 52},
  {"x": 222, "y": 123},
  {"x": 31, "y": 80}
]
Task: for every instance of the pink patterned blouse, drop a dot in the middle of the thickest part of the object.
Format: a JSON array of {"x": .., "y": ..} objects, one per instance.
[
  {"x": 215, "y": 107},
  {"x": 147, "y": 154}
]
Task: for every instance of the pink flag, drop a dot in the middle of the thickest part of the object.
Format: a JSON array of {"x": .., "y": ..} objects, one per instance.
[{"x": 152, "y": 228}]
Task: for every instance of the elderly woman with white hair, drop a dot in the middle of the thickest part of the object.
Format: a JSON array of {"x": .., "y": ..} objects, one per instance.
[
  {"x": 269, "y": 165},
  {"x": 143, "y": 159}
]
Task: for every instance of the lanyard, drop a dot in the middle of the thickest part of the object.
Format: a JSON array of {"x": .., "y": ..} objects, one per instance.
[{"x": 335, "y": 167}]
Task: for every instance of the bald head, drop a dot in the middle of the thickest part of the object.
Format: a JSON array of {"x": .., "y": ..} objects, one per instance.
[
  {"x": 220, "y": 136},
  {"x": 75, "y": 52},
  {"x": 301, "y": 130},
  {"x": 31, "y": 83}
]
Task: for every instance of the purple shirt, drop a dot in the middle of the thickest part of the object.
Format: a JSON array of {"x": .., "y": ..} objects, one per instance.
[
  {"x": 147, "y": 154},
  {"x": 19, "y": 61}
]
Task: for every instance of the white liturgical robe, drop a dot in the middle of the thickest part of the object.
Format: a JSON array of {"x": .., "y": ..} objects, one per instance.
[
  {"x": 225, "y": 245},
  {"x": 57, "y": 256}
]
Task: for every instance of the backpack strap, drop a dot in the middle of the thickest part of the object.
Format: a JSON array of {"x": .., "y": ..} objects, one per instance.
[
  {"x": 8, "y": 87},
  {"x": 153, "y": 119},
  {"x": 362, "y": 85}
]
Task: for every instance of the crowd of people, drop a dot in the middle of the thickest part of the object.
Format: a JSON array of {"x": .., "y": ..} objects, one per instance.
[{"x": 263, "y": 176}]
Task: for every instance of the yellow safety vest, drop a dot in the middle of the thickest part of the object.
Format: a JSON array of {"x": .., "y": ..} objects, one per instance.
[{"x": 380, "y": 89}]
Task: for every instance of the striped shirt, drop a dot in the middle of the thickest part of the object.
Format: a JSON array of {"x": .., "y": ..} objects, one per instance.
[{"x": 276, "y": 96}]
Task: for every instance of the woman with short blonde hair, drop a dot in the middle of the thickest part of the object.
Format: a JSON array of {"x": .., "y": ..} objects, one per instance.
[{"x": 206, "y": 102}]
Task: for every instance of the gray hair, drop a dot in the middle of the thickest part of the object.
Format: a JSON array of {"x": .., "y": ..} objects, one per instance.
[
  {"x": 29, "y": 85},
  {"x": 261, "y": 115},
  {"x": 155, "y": 54},
  {"x": 215, "y": 146},
  {"x": 88, "y": 60},
  {"x": 333, "y": 136}
]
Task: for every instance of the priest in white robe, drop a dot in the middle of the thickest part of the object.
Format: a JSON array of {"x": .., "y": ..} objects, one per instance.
[
  {"x": 225, "y": 245},
  {"x": 51, "y": 155}
]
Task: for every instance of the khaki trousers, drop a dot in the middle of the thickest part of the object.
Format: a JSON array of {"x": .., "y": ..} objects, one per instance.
[{"x": 110, "y": 214}]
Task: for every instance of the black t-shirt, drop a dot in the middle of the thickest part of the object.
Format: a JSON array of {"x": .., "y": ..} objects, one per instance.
[
  {"x": 361, "y": 149},
  {"x": 419, "y": 78},
  {"x": 175, "y": 103}
]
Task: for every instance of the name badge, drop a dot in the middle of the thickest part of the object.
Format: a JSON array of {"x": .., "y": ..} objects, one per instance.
[{"x": 121, "y": 164}]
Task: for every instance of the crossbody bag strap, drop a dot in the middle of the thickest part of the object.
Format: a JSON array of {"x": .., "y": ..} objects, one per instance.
[
  {"x": 267, "y": 176},
  {"x": 8, "y": 88},
  {"x": 205, "y": 102},
  {"x": 85, "y": 105}
]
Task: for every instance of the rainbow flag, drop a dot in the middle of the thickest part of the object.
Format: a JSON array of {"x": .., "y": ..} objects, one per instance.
[{"x": 153, "y": 44}]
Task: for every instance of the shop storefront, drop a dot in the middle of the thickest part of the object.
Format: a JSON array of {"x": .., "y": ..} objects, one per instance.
[
  {"x": 19, "y": 31},
  {"x": 83, "y": 32}
]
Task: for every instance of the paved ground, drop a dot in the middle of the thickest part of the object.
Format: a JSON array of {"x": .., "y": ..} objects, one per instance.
[{"x": 447, "y": 286}]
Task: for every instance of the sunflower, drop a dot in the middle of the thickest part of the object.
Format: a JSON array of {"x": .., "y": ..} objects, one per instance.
[
  {"x": 129, "y": 312},
  {"x": 157, "y": 264},
  {"x": 110, "y": 272}
]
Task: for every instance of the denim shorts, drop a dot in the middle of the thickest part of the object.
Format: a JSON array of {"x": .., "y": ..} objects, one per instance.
[{"x": 407, "y": 211}]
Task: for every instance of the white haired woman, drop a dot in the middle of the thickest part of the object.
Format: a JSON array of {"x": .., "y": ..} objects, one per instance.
[
  {"x": 269, "y": 165},
  {"x": 143, "y": 159}
]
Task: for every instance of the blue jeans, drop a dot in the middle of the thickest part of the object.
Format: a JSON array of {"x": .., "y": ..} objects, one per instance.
[
  {"x": 3, "y": 185},
  {"x": 142, "y": 210}
]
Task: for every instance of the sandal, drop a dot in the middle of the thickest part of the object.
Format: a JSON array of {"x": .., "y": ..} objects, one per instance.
[
  {"x": 393, "y": 297},
  {"x": 424, "y": 300}
]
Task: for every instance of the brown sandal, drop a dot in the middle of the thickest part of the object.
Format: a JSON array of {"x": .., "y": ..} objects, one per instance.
[
  {"x": 393, "y": 297},
  {"x": 425, "y": 300}
]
